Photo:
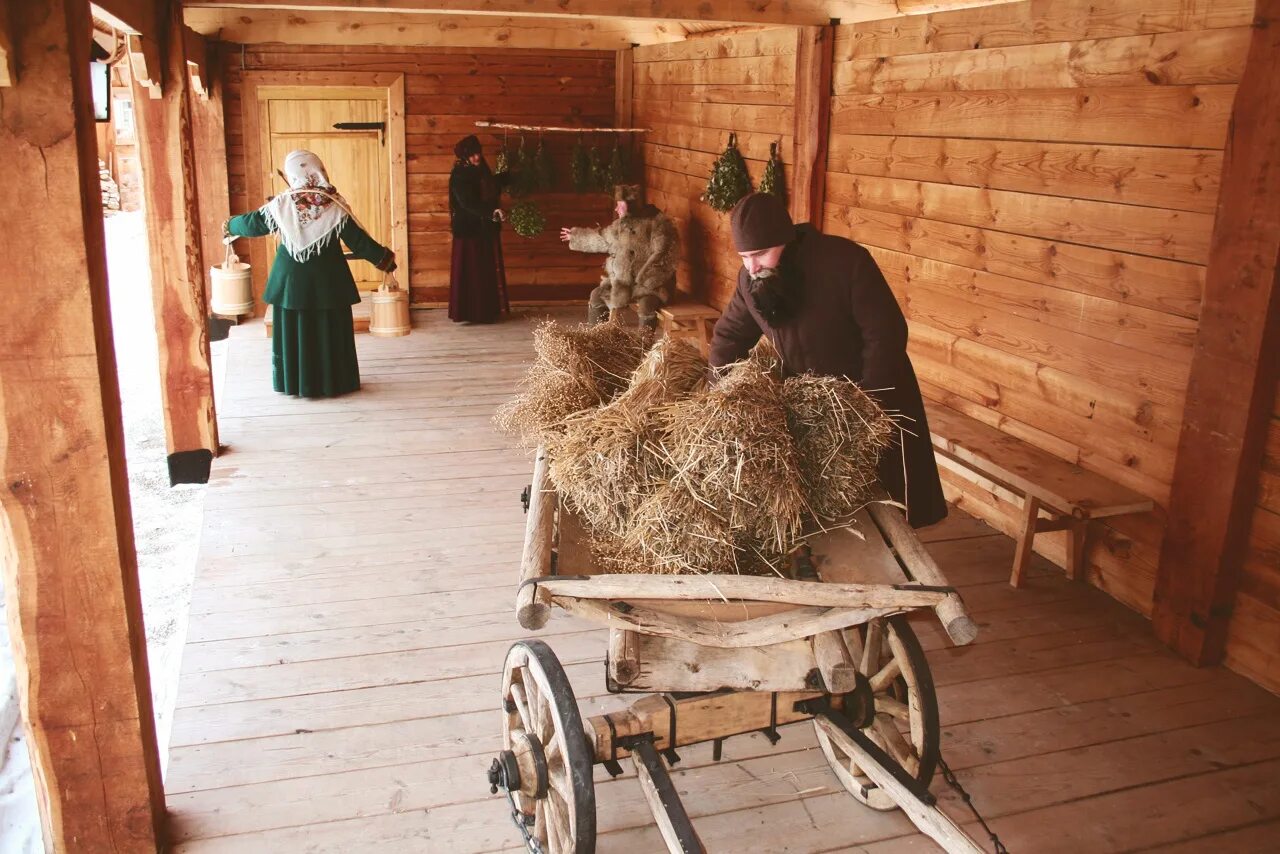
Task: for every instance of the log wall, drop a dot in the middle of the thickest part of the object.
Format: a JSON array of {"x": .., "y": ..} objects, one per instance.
[
  {"x": 692, "y": 94},
  {"x": 1038, "y": 182},
  {"x": 1253, "y": 635},
  {"x": 446, "y": 91}
]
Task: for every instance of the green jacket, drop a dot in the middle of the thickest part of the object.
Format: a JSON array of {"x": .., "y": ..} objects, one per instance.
[{"x": 323, "y": 281}]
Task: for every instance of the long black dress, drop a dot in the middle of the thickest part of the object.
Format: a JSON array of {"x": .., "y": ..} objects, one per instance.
[{"x": 477, "y": 281}]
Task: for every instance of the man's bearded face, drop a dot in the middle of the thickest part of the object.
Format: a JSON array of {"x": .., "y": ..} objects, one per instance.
[
  {"x": 761, "y": 259},
  {"x": 773, "y": 294}
]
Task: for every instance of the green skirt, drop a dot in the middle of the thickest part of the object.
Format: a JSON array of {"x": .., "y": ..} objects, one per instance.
[{"x": 313, "y": 352}]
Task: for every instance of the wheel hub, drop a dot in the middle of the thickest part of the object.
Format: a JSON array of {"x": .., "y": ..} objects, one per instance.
[
  {"x": 860, "y": 703},
  {"x": 504, "y": 773}
]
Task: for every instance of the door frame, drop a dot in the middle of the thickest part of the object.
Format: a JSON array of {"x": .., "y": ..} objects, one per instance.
[{"x": 393, "y": 84}]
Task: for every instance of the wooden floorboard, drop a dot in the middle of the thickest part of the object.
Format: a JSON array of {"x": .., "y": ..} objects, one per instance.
[{"x": 353, "y": 605}]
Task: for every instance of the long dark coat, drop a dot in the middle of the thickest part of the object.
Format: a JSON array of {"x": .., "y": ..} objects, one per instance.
[
  {"x": 477, "y": 278},
  {"x": 847, "y": 324}
]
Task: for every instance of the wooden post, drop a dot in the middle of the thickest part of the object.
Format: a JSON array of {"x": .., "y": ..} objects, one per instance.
[
  {"x": 167, "y": 155},
  {"x": 1233, "y": 371},
  {"x": 66, "y": 531},
  {"x": 209, "y": 144},
  {"x": 623, "y": 87},
  {"x": 815, "y": 48},
  {"x": 7, "y": 77}
]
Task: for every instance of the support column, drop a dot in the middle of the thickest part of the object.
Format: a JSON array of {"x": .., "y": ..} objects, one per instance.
[
  {"x": 66, "y": 531},
  {"x": 209, "y": 141},
  {"x": 815, "y": 50},
  {"x": 163, "y": 111},
  {"x": 1233, "y": 371}
]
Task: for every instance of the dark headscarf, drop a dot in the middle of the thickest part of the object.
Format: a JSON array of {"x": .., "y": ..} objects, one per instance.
[
  {"x": 466, "y": 147},
  {"x": 760, "y": 221}
]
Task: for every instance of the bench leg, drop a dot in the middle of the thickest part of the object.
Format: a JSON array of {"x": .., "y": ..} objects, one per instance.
[
  {"x": 1022, "y": 558},
  {"x": 1077, "y": 549}
]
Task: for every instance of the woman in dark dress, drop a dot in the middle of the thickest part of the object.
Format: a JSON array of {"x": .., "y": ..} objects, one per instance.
[
  {"x": 310, "y": 287},
  {"x": 477, "y": 282}
]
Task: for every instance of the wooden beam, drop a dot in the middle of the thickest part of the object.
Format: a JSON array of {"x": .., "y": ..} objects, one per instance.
[
  {"x": 7, "y": 74},
  {"x": 815, "y": 47},
  {"x": 623, "y": 87},
  {"x": 197, "y": 53},
  {"x": 66, "y": 530},
  {"x": 728, "y": 12},
  {"x": 144, "y": 65},
  {"x": 260, "y": 26},
  {"x": 1233, "y": 371},
  {"x": 128, "y": 16},
  {"x": 169, "y": 169},
  {"x": 209, "y": 147}
]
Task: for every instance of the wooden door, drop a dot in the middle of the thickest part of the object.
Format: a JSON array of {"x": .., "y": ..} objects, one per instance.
[{"x": 356, "y": 160}]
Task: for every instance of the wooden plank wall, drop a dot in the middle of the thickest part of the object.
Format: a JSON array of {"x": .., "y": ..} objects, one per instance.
[
  {"x": 1253, "y": 635},
  {"x": 446, "y": 91},
  {"x": 1038, "y": 182},
  {"x": 692, "y": 94}
]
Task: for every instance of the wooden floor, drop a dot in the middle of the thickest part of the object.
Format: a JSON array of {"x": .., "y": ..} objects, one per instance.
[{"x": 352, "y": 609}]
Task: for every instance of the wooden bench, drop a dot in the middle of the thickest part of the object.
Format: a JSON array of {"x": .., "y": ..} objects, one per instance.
[
  {"x": 1071, "y": 495},
  {"x": 689, "y": 320}
]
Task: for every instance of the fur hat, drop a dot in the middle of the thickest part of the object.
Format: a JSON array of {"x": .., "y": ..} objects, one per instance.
[
  {"x": 632, "y": 194},
  {"x": 466, "y": 147}
]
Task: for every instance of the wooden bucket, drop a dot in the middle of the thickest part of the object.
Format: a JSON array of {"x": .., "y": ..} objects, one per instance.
[
  {"x": 232, "y": 287},
  {"x": 389, "y": 314}
]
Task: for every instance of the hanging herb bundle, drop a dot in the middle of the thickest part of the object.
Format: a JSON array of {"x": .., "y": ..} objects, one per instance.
[
  {"x": 599, "y": 172},
  {"x": 773, "y": 182},
  {"x": 580, "y": 167},
  {"x": 616, "y": 172},
  {"x": 502, "y": 164},
  {"x": 729, "y": 179},
  {"x": 526, "y": 220},
  {"x": 523, "y": 179},
  {"x": 543, "y": 170}
]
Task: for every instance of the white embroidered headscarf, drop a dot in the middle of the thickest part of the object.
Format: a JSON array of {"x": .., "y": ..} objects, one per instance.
[{"x": 311, "y": 212}]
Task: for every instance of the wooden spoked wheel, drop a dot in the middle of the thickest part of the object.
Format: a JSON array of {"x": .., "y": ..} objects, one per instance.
[
  {"x": 906, "y": 721},
  {"x": 543, "y": 730}
]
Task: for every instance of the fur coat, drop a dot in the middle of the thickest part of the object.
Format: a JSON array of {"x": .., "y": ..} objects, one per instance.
[{"x": 643, "y": 250}]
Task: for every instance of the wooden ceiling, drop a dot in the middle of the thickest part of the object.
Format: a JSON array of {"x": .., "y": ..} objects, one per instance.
[{"x": 565, "y": 24}]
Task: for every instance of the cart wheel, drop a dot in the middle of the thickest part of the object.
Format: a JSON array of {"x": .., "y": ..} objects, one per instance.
[
  {"x": 906, "y": 721},
  {"x": 545, "y": 742}
]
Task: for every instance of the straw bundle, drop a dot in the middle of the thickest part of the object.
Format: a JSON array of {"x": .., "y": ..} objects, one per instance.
[
  {"x": 672, "y": 532},
  {"x": 606, "y": 461},
  {"x": 731, "y": 451},
  {"x": 576, "y": 368},
  {"x": 839, "y": 434}
]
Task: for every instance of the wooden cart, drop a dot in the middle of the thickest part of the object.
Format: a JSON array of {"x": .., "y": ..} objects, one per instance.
[{"x": 724, "y": 655}]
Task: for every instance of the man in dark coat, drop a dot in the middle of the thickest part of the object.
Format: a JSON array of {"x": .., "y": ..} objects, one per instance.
[{"x": 827, "y": 309}]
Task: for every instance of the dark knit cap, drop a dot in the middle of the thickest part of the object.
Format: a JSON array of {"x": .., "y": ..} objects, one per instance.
[
  {"x": 466, "y": 147},
  {"x": 760, "y": 221}
]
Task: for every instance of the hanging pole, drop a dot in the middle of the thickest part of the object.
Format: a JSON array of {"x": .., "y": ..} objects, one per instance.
[{"x": 548, "y": 129}]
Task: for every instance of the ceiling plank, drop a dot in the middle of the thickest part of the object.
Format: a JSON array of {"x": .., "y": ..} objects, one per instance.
[
  {"x": 794, "y": 12},
  {"x": 263, "y": 26}
]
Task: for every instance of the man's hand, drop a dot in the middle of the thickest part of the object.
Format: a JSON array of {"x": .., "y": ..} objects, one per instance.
[{"x": 565, "y": 234}]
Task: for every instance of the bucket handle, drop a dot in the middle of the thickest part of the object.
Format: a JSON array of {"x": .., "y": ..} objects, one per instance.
[
  {"x": 389, "y": 283},
  {"x": 231, "y": 258}
]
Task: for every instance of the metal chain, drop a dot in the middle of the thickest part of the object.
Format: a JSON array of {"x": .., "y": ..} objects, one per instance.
[
  {"x": 953, "y": 782},
  {"x": 517, "y": 818}
]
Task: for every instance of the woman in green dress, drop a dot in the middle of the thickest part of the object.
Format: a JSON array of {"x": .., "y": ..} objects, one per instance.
[{"x": 310, "y": 285}]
